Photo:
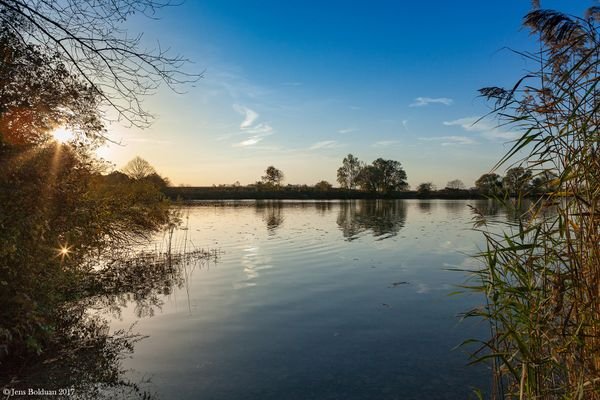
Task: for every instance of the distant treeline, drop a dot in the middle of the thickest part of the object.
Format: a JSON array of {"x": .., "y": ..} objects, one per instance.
[
  {"x": 299, "y": 192},
  {"x": 382, "y": 179}
]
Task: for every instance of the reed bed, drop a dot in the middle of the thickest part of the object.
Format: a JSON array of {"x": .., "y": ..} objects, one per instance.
[{"x": 541, "y": 272}]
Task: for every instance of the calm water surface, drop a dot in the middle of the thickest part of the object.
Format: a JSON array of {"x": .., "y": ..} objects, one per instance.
[{"x": 315, "y": 300}]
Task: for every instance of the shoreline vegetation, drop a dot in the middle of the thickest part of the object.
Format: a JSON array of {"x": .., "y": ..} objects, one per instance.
[
  {"x": 306, "y": 193},
  {"x": 540, "y": 274}
]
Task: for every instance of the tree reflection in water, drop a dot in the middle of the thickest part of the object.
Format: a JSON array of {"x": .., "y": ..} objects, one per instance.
[
  {"x": 271, "y": 212},
  {"x": 323, "y": 207},
  {"x": 86, "y": 356},
  {"x": 383, "y": 218},
  {"x": 425, "y": 205}
]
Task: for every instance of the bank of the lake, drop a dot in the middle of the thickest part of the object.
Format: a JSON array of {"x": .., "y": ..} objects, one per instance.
[{"x": 292, "y": 192}]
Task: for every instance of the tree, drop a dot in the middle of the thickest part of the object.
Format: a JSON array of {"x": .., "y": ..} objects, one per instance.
[
  {"x": 393, "y": 176},
  {"x": 456, "y": 184},
  {"x": 56, "y": 209},
  {"x": 87, "y": 37},
  {"x": 323, "y": 186},
  {"x": 39, "y": 94},
  {"x": 545, "y": 181},
  {"x": 273, "y": 176},
  {"x": 138, "y": 168},
  {"x": 369, "y": 178},
  {"x": 517, "y": 180},
  {"x": 383, "y": 176},
  {"x": 425, "y": 187},
  {"x": 348, "y": 173},
  {"x": 489, "y": 184}
]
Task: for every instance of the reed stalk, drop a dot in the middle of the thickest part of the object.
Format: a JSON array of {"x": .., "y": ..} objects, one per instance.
[{"x": 541, "y": 272}]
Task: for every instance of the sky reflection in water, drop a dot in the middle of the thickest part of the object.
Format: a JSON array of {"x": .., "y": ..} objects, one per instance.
[{"x": 317, "y": 300}]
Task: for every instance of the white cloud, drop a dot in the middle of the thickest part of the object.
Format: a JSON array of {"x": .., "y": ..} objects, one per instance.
[
  {"x": 405, "y": 124},
  {"x": 425, "y": 101},
  {"x": 383, "y": 143},
  {"x": 450, "y": 140},
  {"x": 249, "y": 115},
  {"x": 262, "y": 129},
  {"x": 326, "y": 144},
  {"x": 483, "y": 127},
  {"x": 257, "y": 131},
  {"x": 347, "y": 130},
  {"x": 252, "y": 140}
]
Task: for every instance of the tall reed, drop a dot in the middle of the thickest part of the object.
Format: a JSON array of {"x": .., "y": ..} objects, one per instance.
[{"x": 541, "y": 273}]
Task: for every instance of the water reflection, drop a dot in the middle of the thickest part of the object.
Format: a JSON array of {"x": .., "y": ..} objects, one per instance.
[
  {"x": 271, "y": 212},
  {"x": 143, "y": 281},
  {"x": 85, "y": 355},
  {"x": 382, "y": 218},
  {"x": 454, "y": 207},
  {"x": 324, "y": 207},
  {"x": 425, "y": 205},
  {"x": 86, "y": 360}
]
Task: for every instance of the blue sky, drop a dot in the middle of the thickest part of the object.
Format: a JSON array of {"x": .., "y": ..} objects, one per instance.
[{"x": 300, "y": 84}]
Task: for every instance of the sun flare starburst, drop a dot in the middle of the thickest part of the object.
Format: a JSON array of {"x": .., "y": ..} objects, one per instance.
[
  {"x": 63, "y": 251},
  {"x": 62, "y": 135}
]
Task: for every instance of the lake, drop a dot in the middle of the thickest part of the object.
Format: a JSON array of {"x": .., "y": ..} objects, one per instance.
[{"x": 314, "y": 300}]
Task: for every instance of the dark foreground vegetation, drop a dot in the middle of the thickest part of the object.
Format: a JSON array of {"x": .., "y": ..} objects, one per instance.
[{"x": 64, "y": 224}]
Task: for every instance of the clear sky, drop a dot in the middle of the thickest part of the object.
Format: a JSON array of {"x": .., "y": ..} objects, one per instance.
[{"x": 300, "y": 84}]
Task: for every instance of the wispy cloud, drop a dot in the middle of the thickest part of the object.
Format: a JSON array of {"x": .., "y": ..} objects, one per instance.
[
  {"x": 257, "y": 131},
  {"x": 325, "y": 144},
  {"x": 450, "y": 140},
  {"x": 249, "y": 115},
  {"x": 484, "y": 127},
  {"x": 347, "y": 130},
  {"x": 425, "y": 101},
  {"x": 252, "y": 140},
  {"x": 261, "y": 128},
  {"x": 405, "y": 124},
  {"x": 292, "y": 84},
  {"x": 384, "y": 143}
]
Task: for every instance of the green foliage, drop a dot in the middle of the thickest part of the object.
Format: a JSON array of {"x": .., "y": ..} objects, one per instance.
[
  {"x": 425, "y": 187},
  {"x": 541, "y": 272},
  {"x": 39, "y": 94},
  {"x": 517, "y": 180},
  {"x": 323, "y": 186},
  {"x": 489, "y": 184},
  {"x": 348, "y": 173},
  {"x": 273, "y": 176},
  {"x": 383, "y": 176},
  {"x": 56, "y": 209}
]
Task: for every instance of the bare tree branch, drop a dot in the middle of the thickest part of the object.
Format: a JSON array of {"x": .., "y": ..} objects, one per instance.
[{"x": 92, "y": 42}]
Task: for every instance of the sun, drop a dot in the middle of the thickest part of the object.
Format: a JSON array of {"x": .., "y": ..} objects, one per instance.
[{"x": 62, "y": 135}]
